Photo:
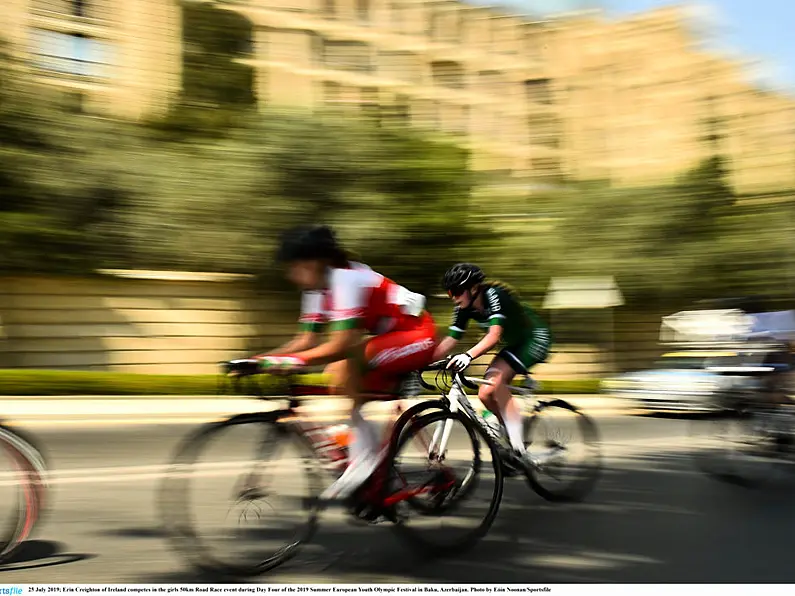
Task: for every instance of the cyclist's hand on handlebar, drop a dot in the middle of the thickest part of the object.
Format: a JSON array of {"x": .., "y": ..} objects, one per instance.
[
  {"x": 240, "y": 368},
  {"x": 281, "y": 365},
  {"x": 460, "y": 362}
]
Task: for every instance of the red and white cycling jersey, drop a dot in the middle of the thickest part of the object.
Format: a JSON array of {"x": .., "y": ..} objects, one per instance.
[{"x": 359, "y": 296}]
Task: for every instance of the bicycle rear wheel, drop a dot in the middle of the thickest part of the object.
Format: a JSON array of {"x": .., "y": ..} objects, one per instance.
[
  {"x": 546, "y": 429},
  {"x": 27, "y": 485},
  {"x": 444, "y": 493},
  {"x": 275, "y": 539}
]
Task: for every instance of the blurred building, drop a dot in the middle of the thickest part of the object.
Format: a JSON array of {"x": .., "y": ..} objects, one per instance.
[
  {"x": 635, "y": 101},
  {"x": 645, "y": 99},
  {"x": 117, "y": 57}
]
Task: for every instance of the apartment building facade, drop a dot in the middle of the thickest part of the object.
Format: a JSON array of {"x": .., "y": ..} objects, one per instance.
[
  {"x": 121, "y": 58},
  {"x": 635, "y": 100}
]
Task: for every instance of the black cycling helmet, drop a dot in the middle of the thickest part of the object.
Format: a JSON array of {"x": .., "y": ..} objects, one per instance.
[
  {"x": 461, "y": 277},
  {"x": 307, "y": 243}
]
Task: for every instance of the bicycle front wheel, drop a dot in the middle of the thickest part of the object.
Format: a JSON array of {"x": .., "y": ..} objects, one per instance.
[
  {"x": 441, "y": 479},
  {"x": 221, "y": 513},
  {"x": 25, "y": 486},
  {"x": 564, "y": 444}
]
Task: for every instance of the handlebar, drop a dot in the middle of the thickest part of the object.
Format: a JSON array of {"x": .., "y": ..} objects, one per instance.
[{"x": 245, "y": 367}]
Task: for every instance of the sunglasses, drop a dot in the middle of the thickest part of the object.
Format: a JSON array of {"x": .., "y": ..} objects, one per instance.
[{"x": 455, "y": 294}]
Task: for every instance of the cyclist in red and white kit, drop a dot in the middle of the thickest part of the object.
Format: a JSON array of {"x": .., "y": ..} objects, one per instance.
[{"x": 353, "y": 300}]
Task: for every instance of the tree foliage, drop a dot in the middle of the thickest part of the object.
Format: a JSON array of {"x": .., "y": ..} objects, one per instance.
[{"x": 79, "y": 193}]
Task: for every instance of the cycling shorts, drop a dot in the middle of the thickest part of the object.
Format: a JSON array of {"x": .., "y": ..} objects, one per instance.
[
  {"x": 524, "y": 356},
  {"x": 390, "y": 356}
]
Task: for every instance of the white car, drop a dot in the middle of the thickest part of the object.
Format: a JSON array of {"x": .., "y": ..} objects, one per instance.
[{"x": 690, "y": 381}]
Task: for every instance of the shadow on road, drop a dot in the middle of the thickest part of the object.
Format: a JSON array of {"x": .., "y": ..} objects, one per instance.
[
  {"x": 653, "y": 518},
  {"x": 145, "y": 533},
  {"x": 35, "y": 554}
]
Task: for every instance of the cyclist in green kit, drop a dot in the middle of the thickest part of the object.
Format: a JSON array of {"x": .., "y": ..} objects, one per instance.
[{"x": 525, "y": 337}]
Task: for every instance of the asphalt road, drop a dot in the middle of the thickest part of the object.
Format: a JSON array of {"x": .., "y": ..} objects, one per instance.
[{"x": 653, "y": 518}]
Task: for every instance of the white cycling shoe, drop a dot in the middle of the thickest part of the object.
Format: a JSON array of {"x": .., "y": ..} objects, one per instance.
[{"x": 356, "y": 474}]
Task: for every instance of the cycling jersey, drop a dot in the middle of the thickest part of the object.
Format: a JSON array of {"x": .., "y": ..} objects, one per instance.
[
  {"x": 358, "y": 297},
  {"x": 525, "y": 334},
  {"x": 518, "y": 320}
]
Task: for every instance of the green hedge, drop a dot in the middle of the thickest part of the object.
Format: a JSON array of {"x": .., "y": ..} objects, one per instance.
[{"x": 53, "y": 382}]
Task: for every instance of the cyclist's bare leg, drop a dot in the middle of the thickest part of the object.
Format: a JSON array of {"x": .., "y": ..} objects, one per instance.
[
  {"x": 346, "y": 380},
  {"x": 498, "y": 399},
  {"x": 363, "y": 454}
]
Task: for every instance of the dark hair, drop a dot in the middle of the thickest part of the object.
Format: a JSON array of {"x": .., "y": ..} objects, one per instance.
[{"x": 312, "y": 242}]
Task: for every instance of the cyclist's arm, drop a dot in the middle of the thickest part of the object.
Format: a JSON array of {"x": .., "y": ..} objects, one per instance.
[
  {"x": 444, "y": 347},
  {"x": 337, "y": 348},
  {"x": 455, "y": 332},
  {"x": 311, "y": 323},
  {"x": 300, "y": 343},
  {"x": 489, "y": 341}
]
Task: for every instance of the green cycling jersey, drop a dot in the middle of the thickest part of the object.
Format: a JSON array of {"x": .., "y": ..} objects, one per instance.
[{"x": 519, "y": 321}]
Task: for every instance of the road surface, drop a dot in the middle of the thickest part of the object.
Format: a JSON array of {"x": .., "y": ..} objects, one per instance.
[{"x": 653, "y": 518}]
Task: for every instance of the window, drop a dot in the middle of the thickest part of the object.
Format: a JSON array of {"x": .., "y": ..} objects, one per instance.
[
  {"x": 74, "y": 102},
  {"x": 371, "y": 104},
  {"x": 396, "y": 15},
  {"x": 73, "y": 54},
  {"x": 332, "y": 93},
  {"x": 401, "y": 66},
  {"x": 443, "y": 25},
  {"x": 544, "y": 130},
  {"x": 538, "y": 91},
  {"x": 546, "y": 168},
  {"x": 363, "y": 10},
  {"x": 352, "y": 56},
  {"x": 448, "y": 74}
]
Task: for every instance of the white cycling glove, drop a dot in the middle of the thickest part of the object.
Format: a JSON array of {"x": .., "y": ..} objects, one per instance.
[{"x": 460, "y": 362}]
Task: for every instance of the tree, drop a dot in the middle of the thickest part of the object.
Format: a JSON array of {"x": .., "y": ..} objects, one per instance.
[
  {"x": 217, "y": 90},
  {"x": 53, "y": 190}
]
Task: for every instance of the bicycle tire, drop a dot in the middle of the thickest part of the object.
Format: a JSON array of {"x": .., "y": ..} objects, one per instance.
[
  {"x": 175, "y": 510},
  {"x": 578, "y": 490},
  {"x": 31, "y": 465},
  {"x": 411, "y": 414},
  {"x": 746, "y": 463},
  {"x": 414, "y": 411},
  {"x": 477, "y": 433}
]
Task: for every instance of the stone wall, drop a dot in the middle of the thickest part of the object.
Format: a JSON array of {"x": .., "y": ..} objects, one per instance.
[{"x": 150, "y": 322}]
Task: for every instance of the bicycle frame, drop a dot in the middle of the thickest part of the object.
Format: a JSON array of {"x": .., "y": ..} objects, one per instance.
[
  {"x": 309, "y": 431},
  {"x": 459, "y": 401}
]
